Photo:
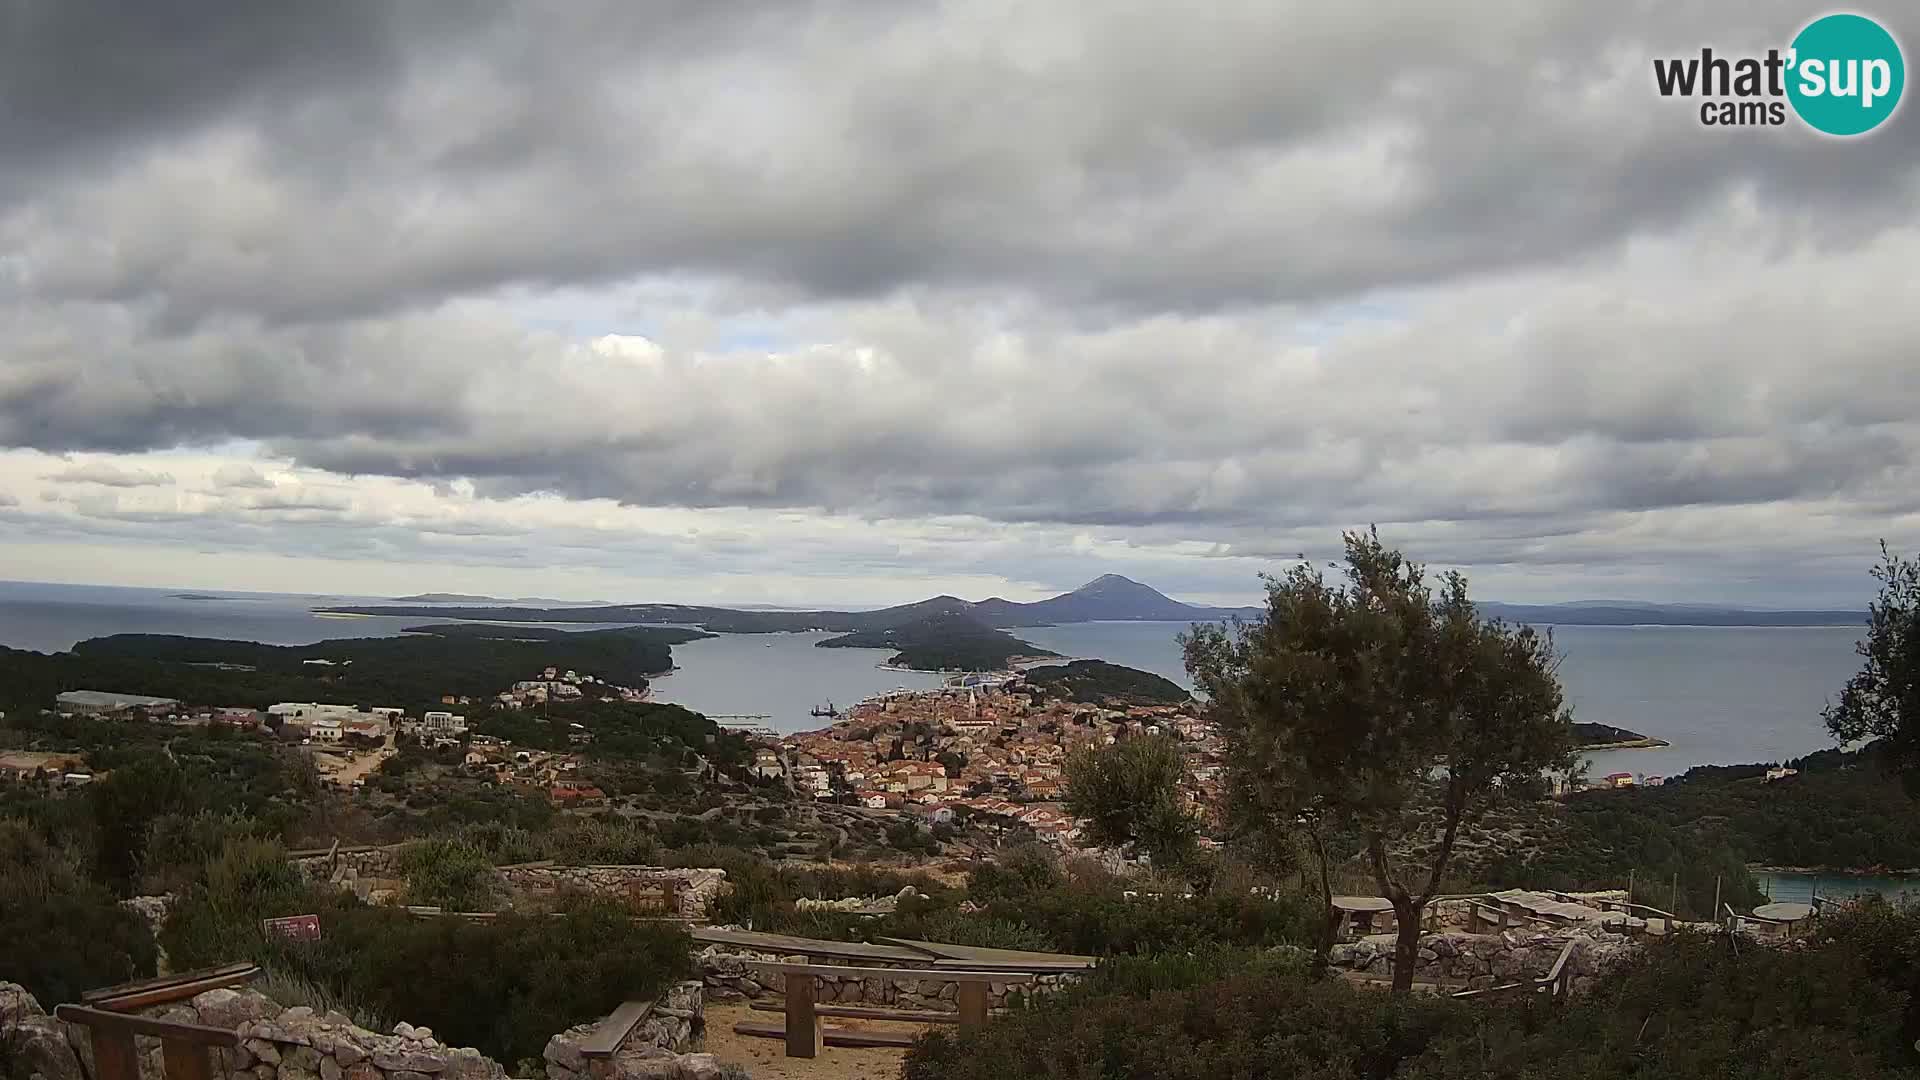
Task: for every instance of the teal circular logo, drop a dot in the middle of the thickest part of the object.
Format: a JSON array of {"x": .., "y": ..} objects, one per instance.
[{"x": 1846, "y": 74}]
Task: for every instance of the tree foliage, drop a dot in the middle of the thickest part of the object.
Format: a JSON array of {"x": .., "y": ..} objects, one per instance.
[
  {"x": 1352, "y": 706},
  {"x": 60, "y": 932},
  {"x": 1882, "y": 700},
  {"x": 1129, "y": 794}
]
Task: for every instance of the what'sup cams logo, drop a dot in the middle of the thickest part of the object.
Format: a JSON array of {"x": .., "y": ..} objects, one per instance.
[{"x": 1842, "y": 75}]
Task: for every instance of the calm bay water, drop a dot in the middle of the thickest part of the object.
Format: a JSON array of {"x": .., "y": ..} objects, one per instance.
[{"x": 1720, "y": 695}]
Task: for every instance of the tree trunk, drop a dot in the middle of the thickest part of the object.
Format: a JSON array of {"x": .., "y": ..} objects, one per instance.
[
  {"x": 1329, "y": 918},
  {"x": 1406, "y": 946}
]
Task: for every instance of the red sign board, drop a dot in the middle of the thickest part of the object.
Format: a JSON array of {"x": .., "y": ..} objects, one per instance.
[{"x": 295, "y": 927}]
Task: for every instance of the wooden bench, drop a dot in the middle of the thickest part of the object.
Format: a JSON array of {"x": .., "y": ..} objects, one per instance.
[
  {"x": 613, "y": 1031},
  {"x": 129, "y": 996},
  {"x": 183, "y": 1047},
  {"x": 803, "y": 1033},
  {"x": 867, "y": 1012}
]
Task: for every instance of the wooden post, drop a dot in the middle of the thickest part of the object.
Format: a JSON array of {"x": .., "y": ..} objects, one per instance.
[
  {"x": 1673, "y": 904},
  {"x": 184, "y": 1060},
  {"x": 114, "y": 1055},
  {"x": 1630, "y": 875},
  {"x": 803, "y": 1024},
  {"x": 973, "y": 1005},
  {"x": 1716, "y": 898},
  {"x": 670, "y": 897}
]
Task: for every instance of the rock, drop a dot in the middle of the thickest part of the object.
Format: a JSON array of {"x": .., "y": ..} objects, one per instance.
[
  {"x": 403, "y": 1029},
  {"x": 702, "y": 1067},
  {"x": 288, "y": 1072},
  {"x": 466, "y": 1063},
  {"x": 564, "y": 1049},
  {"x": 415, "y": 1061},
  {"x": 268, "y": 1053},
  {"x": 296, "y": 1014},
  {"x": 424, "y": 1034},
  {"x": 264, "y": 1071},
  {"x": 363, "y": 1071},
  {"x": 555, "y": 1072},
  {"x": 405, "y": 1074},
  {"x": 346, "y": 1051},
  {"x": 16, "y": 1004},
  {"x": 240, "y": 1057},
  {"x": 37, "y": 1043},
  {"x": 303, "y": 1058},
  {"x": 330, "y": 1069}
]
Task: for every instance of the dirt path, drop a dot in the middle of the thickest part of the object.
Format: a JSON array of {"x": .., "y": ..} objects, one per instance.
[{"x": 767, "y": 1059}]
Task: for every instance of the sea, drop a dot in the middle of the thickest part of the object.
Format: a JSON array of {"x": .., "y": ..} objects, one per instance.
[{"x": 1719, "y": 695}]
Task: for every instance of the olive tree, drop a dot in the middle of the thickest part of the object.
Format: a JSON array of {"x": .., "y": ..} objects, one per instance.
[
  {"x": 1130, "y": 796},
  {"x": 1356, "y": 708},
  {"x": 1882, "y": 700}
]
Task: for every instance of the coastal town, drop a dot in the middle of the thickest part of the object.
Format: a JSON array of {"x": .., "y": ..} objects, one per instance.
[{"x": 983, "y": 745}]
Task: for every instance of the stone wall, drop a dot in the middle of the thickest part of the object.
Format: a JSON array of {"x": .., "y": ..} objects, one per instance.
[
  {"x": 1480, "y": 960},
  {"x": 373, "y": 874},
  {"x": 280, "y": 1043},
  {"x": 656, "y": 1050},
  {"x": 697, "y": 887},
  {"x": 729, "y": 977}
]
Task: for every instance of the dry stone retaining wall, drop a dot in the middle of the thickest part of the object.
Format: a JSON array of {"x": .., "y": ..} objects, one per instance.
[
  {"x": 729, "y": 977},
  {"x": 697, "y": 888},
  {"x": 279, "y": 1043},
  {"x": 1481, "y": 960},
  {"x": 374, "y": 875}
]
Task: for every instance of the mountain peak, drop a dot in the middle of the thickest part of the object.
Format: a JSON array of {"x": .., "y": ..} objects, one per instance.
[{"x": 1109, "y": 582}]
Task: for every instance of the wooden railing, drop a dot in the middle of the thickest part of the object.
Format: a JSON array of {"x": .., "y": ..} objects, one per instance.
[
  {"x": 183, "y": 1047},
  {"x": 1556, "y": 983}
]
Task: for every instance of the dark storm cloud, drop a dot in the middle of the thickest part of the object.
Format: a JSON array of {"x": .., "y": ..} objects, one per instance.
[
  {"x": 1230, "y": 275},
  {"x": 1136, "y": 156}
]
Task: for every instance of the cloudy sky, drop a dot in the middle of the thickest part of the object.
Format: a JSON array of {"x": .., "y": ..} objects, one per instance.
[{"x": 851, "y": 302}]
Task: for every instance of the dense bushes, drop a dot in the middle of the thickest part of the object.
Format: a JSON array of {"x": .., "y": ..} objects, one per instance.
[
  {"x": 1690, "y": 1007},
  {"x": 61, "y": 933},
  {"x": 503, "y": 986},
  {"x": 448, "y": 874}
]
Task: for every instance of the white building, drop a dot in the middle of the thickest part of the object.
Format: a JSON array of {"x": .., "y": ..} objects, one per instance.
[
  {"x": 329, "y": 731},
  {"x": 315, "y": 710},
  {"x": 443, "y": 723}
]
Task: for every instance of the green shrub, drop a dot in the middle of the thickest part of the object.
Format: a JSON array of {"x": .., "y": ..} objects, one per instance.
[
  {"x": 451, "y": 874},
  {"x": 1687, "y": 1008},
  {"x": 61, "y": 933}
]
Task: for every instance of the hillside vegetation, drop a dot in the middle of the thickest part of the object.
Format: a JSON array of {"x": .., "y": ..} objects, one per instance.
[
  {"x": 946, "y": 641},
  {"x": 1097, "y": 682}
]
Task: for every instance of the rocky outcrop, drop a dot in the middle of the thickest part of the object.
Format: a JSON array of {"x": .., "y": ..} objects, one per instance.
[
  {"x": 729, "y": 976},
  {"x": 655, "y": 1050},
  {"x": 1481, "y": 960},
  {"x": 34, "y": 1043}
]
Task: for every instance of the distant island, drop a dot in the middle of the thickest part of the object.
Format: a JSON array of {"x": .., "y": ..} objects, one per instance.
[
  {"x": 413, "y": 670},
  {"x": 469, "y": 598},
  {"x": 195, "y": 596},
  {"x": 1608, "y": 737},
  {"x": 943, "y": 641},
  {"x": 1096, "y": 682},
  {"x": 1108, "y": 598}
]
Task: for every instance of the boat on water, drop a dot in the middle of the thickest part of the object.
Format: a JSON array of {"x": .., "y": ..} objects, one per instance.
[{"x": 825, "y": 710}]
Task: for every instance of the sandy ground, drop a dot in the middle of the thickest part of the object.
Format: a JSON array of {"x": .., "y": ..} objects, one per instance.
[
  {"x": 767, "y": 1059},
  {"x": 31, "y": 759},
  {"x": 335, "y": 766}
]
